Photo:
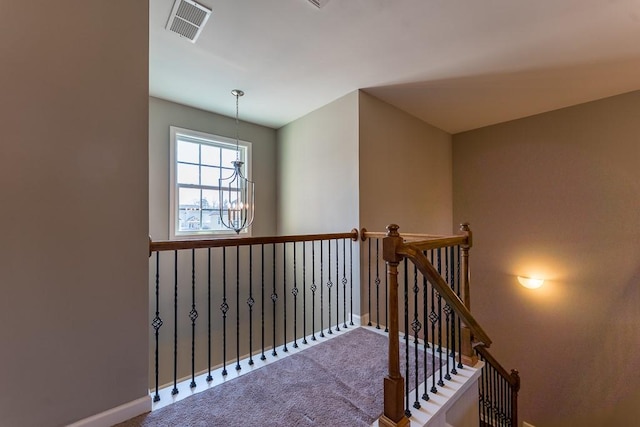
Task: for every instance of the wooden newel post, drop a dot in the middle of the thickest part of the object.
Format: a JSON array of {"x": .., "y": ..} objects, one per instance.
[
  {"x": 393, "y": 383},
  {"x": 469, "y": 357}
]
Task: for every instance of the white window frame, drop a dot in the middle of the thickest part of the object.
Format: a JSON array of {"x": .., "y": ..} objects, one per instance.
[{"x": 175, "y": 133}]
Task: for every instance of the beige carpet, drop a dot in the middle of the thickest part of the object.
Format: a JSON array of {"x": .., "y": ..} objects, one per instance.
[{"x": 335, "y": 383}]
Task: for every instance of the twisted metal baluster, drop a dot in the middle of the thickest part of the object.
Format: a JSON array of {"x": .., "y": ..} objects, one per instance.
[
  {"x": 250, "y": 303},
  {"x": 425, "y": 395},
  {"x": 157, "y": 324},
  {"x": 175, "y": 324},
  {"x": 351, "y": 282},
  {"x": 337, "y": 290},
  {"x": 294, "y": 291},
  {"x": 447, "y": 312},
  {"x": 377, "y": 282},
  {"x": 284, "y": 293},
  {"x": 313, "y": 291},
  {"x": 274, "y": 298},
  {"x": 416, "y": 326},
  {"x": 238, "y": 367},
  {"x": 407, "y": 411},
  {"x": 369, "y": 282},
  {"x": 321, "y": 293},
  {"x": 209, "y": 377},
  {"x": 304, "y": 292},
  {"x": 344, "y": 283},
  {"x": 329, "y": 285},
  {"x": 193, "y": 315},
  {"x": 224, "y": 307},
  {"x": 262, "y": 356}
]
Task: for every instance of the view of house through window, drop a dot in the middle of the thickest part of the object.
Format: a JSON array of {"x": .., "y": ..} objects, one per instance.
[{"x": 199, "y": 160}]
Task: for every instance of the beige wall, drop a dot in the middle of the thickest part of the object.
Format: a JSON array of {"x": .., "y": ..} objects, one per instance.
[
  {"x": 559, "y": 194},
  {"x": 318, "y": 170},
  {"x": 405, "y": 170},
  {"x": 74, "y": 174},
  {"x": 163, "y": 114}
]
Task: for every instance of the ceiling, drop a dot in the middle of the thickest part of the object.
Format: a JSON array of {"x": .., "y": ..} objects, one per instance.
[{"x": 456, "y": 64}]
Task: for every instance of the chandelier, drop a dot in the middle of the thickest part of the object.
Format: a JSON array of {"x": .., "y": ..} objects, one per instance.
[{"x": 237, "y": 198}]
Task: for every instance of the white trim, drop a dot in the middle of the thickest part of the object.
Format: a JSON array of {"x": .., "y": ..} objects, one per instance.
[{"x": 116, "y": 415}]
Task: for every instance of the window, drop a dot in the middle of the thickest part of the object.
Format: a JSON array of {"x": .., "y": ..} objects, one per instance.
[{"x": 198, "y": 161}]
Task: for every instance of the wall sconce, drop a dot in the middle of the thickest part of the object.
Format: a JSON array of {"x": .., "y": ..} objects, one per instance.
[{"x": 530, "y": 282}]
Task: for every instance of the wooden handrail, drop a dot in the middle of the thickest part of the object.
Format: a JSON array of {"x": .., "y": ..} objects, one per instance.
[
  {"x": 366, "y": 234},
  {"x": 173, "y": 245},
  {"x": 416, "y": 255},
  {"x": 513, "y": 378}
]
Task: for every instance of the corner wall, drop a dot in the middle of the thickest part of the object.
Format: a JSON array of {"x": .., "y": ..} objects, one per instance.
[
  {"x": 405, "y": 171},
  {"x": 74, "y": 176},
  {"x": 557, "y": 194},
  {"x": 318, "y": 170}
]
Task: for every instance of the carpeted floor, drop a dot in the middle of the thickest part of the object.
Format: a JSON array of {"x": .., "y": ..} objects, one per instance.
[{"x": 335, "y": 383}]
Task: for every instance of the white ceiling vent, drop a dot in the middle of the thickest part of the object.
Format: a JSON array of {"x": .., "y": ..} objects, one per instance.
[
  {"x": 188, "y": 18},
  {"x": 318, "y": 3}
]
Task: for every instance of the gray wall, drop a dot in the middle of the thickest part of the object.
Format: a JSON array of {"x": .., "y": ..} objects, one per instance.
[
  {"x": 163, "y": 114},
  {"x": 74, "y": 174},
  {"x": 558, "y": 193},
  {"x": 405, "y": 171},
  {"x": 318, "y": 170}
]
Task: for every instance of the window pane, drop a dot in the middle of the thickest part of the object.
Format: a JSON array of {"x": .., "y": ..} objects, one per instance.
[
  {"x": 188, "y": 209},
  {"x": 228, "y": 156},
  {"x": 210, "y": 176},
  {"x": 210, "y": 155},
  {"x": 188, "y": 152},
  {"x": 210, "y": 199},
  {"x": 188, "y": 174}
]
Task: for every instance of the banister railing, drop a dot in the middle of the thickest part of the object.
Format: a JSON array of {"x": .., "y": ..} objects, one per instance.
[
  {"x": 223, "y": 300},
  {"x": 498, "y": 392},
  {"x": 452, "y": 288}
]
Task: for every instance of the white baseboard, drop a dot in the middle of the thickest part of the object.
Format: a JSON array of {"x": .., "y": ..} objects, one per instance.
[{"x": 116, "y": 415}]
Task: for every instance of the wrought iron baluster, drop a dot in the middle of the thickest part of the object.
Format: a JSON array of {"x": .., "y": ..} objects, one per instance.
[
  {"x": 425, "y": 395},
  {"x": 209, "y": 377},
  {"x": 304, "y": 292},
  {"x": 344, "y": 282},
  {"x": 274, "y": 298},
  {"x": 416, "y": 326},
  {"x": 433, "y": 318},
  {"x": 369, "y": 282},
  {"x": 440, "y": 381},
  {"x": 294, "y": 291},
  {"x": 262, "y": 356},
  {"x": 157, "y": 324},
  {"x": 284, "y": 293},
  {"x": 224, "y": 307},
  {"x": 193, "y": 315},
  {"x": 337, "y": 290},
  {"x": 407, "y": 411},
  {"x": 313, "y": 291},
  {"x": 377, "y": 282},
  {"x": 175, "y": 324},
  {"x": 460, "y": 365},
  {"x": 447, "y": 313},
  {"x": 238, "y": 367},
  {"x": 329, "y": 285},
  {"x": 321, "y": 293},
  {"x": 250, "y": 303},
  {"x": 351, "y": 282},
  {"x": 452, "y": 354}
]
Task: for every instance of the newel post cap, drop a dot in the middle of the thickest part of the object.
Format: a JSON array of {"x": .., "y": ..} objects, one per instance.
[{"x": 392, "y": 230}]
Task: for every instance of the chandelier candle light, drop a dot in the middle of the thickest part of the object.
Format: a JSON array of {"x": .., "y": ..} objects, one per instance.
[{"x": 237, "y": 198}]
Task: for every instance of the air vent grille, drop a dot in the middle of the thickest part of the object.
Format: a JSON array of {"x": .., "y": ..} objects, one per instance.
[{"x": 188, "y": 18}]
